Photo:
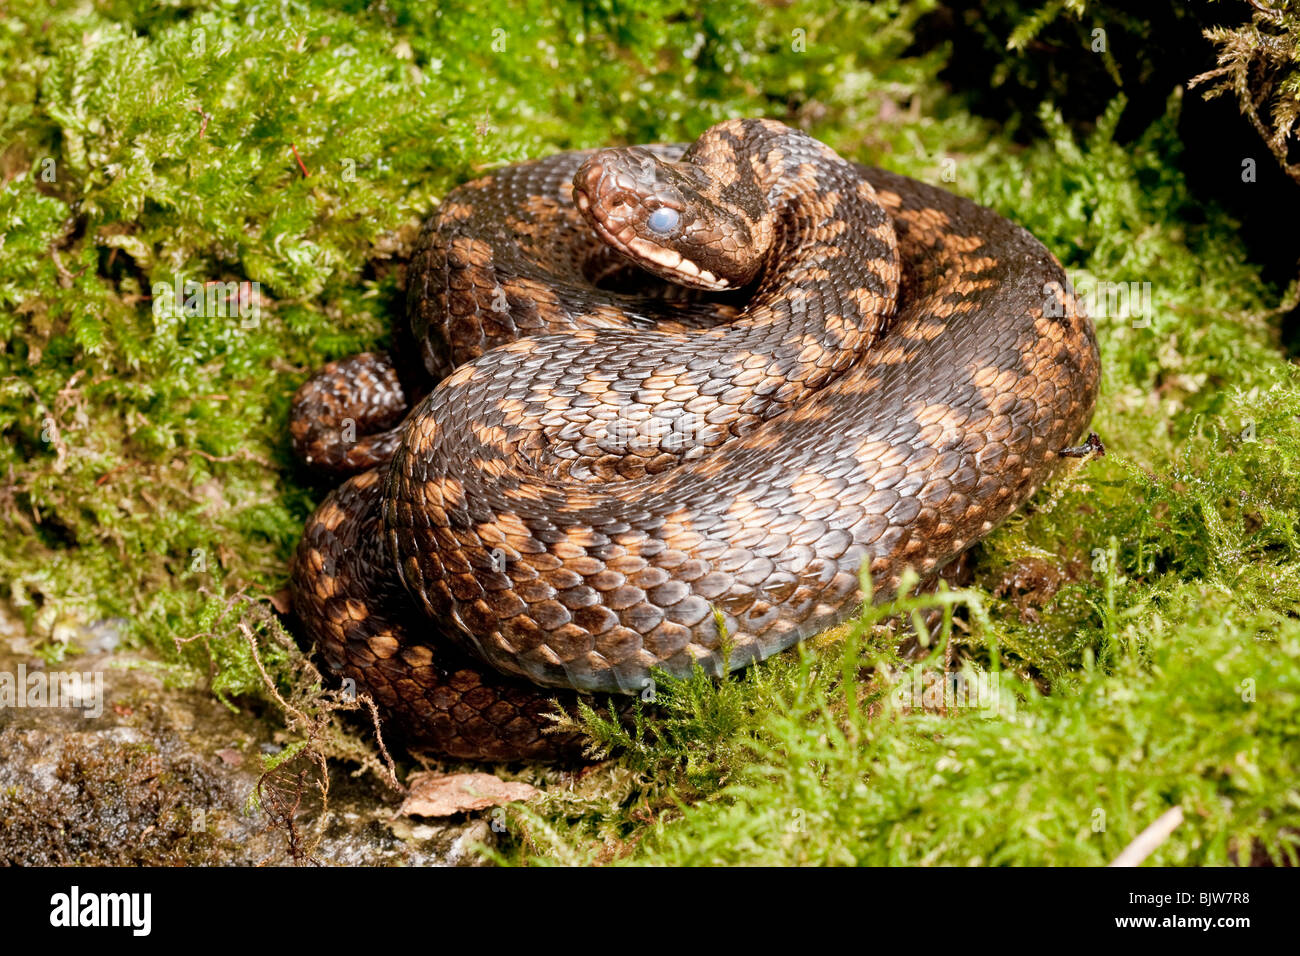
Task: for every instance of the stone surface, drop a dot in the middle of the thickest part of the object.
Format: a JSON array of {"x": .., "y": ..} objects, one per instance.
[{"x": 164, "y": 776}]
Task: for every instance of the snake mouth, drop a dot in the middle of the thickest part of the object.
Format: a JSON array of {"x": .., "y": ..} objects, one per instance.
[{"x": 654, "y": 257}]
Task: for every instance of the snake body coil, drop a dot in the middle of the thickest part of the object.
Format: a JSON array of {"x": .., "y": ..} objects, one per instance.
[{"x": 845, "y": 366}]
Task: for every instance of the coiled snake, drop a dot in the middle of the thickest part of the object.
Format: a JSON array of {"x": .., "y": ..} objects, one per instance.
[{"x": 845, "y": 366}]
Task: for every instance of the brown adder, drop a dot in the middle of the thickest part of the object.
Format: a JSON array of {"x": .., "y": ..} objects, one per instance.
[{"x": 845, "y": 366}]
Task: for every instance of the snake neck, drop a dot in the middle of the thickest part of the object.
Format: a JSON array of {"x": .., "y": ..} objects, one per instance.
[
  {"x": 824, "y": 291},
  {"x": 797, "y": 197}
]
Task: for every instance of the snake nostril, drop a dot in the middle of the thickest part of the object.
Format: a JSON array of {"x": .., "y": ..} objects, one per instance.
[{"x": 619, "y": 206}]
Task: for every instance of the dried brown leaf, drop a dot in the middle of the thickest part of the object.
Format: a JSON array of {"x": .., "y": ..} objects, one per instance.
[{"x": 444, "y": 795}]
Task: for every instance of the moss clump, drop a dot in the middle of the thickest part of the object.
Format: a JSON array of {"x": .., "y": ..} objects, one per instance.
[
  {"x": 1257, "y": 64},
  {"x": 104, "y": 800},
  {"x": 1140, "y": 613}
]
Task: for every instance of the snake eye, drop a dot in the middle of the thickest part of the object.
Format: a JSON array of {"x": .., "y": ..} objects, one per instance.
[{"x": 663, "y": 220}]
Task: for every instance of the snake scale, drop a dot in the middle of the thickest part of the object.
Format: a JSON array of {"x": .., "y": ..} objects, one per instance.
[{"x": 680, "y": 391}]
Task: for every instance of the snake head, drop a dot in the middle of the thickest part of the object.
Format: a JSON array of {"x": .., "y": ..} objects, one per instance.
[{"x": 676, "y": 220}]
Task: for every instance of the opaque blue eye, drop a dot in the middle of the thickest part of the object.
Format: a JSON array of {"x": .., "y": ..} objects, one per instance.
[{"x": 663, "y": 220}]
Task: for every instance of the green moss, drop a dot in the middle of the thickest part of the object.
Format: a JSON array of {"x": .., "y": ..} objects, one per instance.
[{"x": 145, "y": 474}]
